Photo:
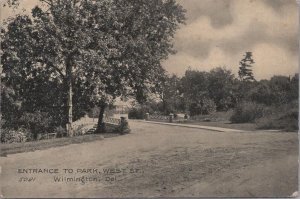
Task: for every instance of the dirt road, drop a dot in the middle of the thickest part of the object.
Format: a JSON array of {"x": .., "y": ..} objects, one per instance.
[{"x": 157, "y": 160}]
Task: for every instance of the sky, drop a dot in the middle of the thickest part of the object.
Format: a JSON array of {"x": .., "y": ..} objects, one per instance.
[{"x": 219, "y": 32}]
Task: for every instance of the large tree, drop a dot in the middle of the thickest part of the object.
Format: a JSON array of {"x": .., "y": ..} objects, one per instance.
[
  {"x": 170, "y": 94},
  {"x": 108, "y": 48},
  {"x": 195, "y": 85},
  {"x": 220, "y": 87}
]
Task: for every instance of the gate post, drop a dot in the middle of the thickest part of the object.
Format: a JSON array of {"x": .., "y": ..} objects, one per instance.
[
  {"x": 123, "y": 120},
  {"x": 171, "y": 117},
  {"x": 147, "y": 116},
  {"x": 124, "y": 127}
]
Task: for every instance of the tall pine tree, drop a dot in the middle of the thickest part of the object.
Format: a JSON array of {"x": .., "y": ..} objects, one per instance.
[{"x": 245, "y": 69}]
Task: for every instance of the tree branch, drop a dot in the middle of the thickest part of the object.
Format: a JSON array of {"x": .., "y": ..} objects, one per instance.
[{"x": 58, "y": 70}]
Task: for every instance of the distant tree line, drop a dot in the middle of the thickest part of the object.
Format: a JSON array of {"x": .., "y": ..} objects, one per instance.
[{"x": 202, "y": 93}]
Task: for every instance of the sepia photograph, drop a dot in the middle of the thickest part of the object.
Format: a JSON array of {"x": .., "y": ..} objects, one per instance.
[{"x": 149, "y": 98}]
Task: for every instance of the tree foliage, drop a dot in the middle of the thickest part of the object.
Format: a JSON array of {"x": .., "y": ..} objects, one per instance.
[
  {"x": 88, "y": 52},
  {"x": 221, "y": 88}
]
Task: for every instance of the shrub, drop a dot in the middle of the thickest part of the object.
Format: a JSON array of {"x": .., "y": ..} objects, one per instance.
[
  {"x": 247, "y": 112},
  {"x": 37, "y": 123},
  {"x": 79, "y": 130},
  {"x": 13, "y": 136},
  {"x": 136, "y": 113},
  {"x": 287, "y": 123},
  {"x": 225, "y": 104},
  {"x": 284, "y": 118},
  {"x": 60, "y": 131}
]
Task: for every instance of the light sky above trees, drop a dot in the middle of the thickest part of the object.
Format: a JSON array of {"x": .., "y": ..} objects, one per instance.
[{"x": 219, "y": 32}]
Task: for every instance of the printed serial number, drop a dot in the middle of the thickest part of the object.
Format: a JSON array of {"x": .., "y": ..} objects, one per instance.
[{"x": 26, "y": 179}]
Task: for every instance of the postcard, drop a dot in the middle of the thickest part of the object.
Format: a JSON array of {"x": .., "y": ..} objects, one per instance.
[{"x": 149, "y": 98}]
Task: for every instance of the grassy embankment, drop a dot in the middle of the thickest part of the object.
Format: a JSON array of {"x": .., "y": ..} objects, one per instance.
[
  {"x": 282, "y": 120},
  {"x": 219, "y": 119}
]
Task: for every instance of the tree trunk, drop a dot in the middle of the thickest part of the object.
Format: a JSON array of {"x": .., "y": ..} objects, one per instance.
[
  {"x": 101, "y": 124},
  {"x": 69, "y": 126}
]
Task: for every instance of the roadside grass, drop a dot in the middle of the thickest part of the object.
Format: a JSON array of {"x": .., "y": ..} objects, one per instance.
[
  {"x": 285, "y": 121},
  {"x": 221, "y": 116},
  {"x": 282, "y": 119},
  {"x": 220, "y": 119},
  {"x": 13, "y": 148},
  {"x": 225, "y": 124}
]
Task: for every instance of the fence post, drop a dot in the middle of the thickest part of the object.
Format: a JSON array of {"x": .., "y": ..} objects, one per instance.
[
  {"x": 171, "y": 116},
  {"x": 147, "y": 116}
]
